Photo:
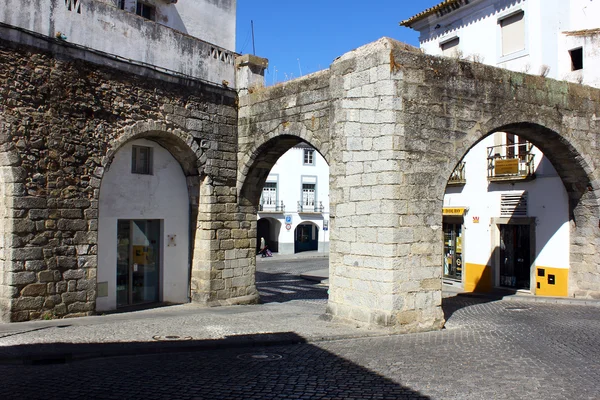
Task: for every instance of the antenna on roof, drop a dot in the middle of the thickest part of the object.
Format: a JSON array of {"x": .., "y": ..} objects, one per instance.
[{"x": 253, "y": 48}]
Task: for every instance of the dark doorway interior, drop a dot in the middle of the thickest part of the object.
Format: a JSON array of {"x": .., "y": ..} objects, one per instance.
[
  {"x": 306, "y": 238},
  {"x": 515, "y": 256}
]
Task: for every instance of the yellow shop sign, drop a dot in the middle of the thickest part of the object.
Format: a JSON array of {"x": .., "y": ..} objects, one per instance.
[{"x": 453, "y": 211}]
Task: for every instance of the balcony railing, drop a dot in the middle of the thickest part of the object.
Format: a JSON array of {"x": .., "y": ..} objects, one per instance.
[
  {"x": 458, "y": 175},
  {"x": 271, "y": 207},
  {"x": 511, "y": 162},
  {"x": 306, "y": 208}
]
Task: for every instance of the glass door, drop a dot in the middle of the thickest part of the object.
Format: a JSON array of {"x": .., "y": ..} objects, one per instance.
[
  {"x": 138, "y": 262},
  {"x": 515, "y": 266},
  {"x": 453, "y": 251}
]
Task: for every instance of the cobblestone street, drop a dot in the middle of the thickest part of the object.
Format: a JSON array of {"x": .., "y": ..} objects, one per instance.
[{"x": 490, "y": 349}]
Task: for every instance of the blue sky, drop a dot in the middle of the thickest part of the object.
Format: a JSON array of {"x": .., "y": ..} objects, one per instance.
[{"x": 299, "y": 38}]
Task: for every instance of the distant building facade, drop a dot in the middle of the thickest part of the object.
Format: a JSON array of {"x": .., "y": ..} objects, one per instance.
[
  {"x": 506, "y": 222},
  {"x": 556, "y": 38},
  {"x": 293, "y": 214}
]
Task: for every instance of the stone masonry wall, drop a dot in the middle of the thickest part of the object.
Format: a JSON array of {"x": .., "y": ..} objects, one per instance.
[
  {"x": 61, "y": 119},
  {"x": 399, "y": 122}
]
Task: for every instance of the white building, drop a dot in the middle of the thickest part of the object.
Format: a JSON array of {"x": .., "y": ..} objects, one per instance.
[
  {"x": 506, "y": 222},
  {"x": 555, "y": 38},
  {"x": 293, "y": 214}
]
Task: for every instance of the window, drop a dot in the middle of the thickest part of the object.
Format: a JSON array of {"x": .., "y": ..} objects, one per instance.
[
  {"x": 141, "y": 160},
  {"x": 121, "y": 4},
  {"x": 576, "y": 59},
  {"x": 269, "y": 194},
  {"x": 513, "y": 33},
  {"x": 145, "y": 10},
  {"x": 450, "y": 47},
  {"x": 308, "y": 194},
  {"x": 309, "y": 157}
]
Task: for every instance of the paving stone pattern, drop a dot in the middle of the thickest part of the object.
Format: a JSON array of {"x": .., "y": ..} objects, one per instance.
[
  {"x": 281, "y": 282},
  {"x": 490, "y": 350}
]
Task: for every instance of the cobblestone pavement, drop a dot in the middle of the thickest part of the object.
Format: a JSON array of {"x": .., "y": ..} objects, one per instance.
[
  {"x": 489, "y": 350},
  {"x": 281, "y": 282}
]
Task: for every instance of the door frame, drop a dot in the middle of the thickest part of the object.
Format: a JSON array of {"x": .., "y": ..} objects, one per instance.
[
  {"x": 159, "y": 261},
  {"x": 495, "y": 237}
]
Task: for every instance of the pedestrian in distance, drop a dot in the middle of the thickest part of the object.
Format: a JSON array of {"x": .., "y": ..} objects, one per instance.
[{"x": 264, "y": 250}]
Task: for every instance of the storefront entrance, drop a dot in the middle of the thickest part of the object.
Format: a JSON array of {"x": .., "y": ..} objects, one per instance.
[
  {"x": 138, "y": 262},
  {"x": 515, "y": 265},
  {"x": 453, "y": 248}
]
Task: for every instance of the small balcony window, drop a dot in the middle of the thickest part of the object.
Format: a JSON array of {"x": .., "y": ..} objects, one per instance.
[
  {"x": 141, "y": 160},
  {"x": 458, "y": 175},
  {"x": 512, "y": 161}
]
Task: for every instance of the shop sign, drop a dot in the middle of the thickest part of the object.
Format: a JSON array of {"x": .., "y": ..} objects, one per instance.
[
  {"x": 506, "y": 167},
  {"x": 457, "y": 211}
]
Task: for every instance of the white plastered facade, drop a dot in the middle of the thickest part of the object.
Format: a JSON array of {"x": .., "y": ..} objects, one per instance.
[
  {"x": 551, "y": 30},
  {"x": 163, "y": 196},
  {"x": 289, "y": 174}
]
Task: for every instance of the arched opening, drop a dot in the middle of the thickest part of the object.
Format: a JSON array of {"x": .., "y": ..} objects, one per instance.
[
  {"x": 287, "y": 186},
  {"x": 513, "y": 208},
  {"x": 143, "y": 227},
  {"x": 306, "y": 237},
  {"x": 269, "y": 229}
]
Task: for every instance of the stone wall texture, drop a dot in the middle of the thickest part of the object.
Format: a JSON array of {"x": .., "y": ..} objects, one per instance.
[
  {"x": 391, "y": 122},
  {"x": 61, "y": 119},
  {"x": 398, "y": 123}
]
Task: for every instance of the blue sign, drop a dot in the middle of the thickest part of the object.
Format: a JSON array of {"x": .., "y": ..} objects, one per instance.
[{"x": 288, "y": 219}]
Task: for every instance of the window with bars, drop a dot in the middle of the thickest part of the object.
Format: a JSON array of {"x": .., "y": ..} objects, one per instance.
[
  {"x": 141, "y": 160},
  {"x": 309, "y": 157},
  {"x": 308, "y": 194},
  {"x": 269, "y": 194}
]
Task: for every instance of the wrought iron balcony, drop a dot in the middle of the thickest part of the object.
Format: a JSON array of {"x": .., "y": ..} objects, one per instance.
[
  {"x": 513, "y": 162},
  {"x": 458, "y": 175},
  {"x": 271, "y": 207},
  {"x": 310, "y": 208}
]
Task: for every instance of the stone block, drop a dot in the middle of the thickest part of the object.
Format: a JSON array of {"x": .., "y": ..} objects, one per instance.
[
  {"x": 34, "y": 290},
  {"x": 22, "y": 278}
]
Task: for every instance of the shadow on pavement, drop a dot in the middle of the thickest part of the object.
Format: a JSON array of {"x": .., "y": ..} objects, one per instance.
[
  {"x": 462, "y": 300},
  {"x": 271, "y": 366},
  {"x": 278, "y": 287}
]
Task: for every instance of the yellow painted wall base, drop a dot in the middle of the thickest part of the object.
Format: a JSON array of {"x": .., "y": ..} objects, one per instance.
[
  {"x": 478, "y": 278},
  {"x": 552, "y": 281}
]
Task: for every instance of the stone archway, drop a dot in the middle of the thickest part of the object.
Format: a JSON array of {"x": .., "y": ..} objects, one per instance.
[
  {"x": 579, "y": 181},
  {"x": 148, "y": 207}
]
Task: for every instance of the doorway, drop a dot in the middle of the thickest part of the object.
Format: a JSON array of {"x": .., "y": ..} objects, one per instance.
[
  {"x": 138, "y": 262},
  {"x": 453, "y": 249},
  {"x": 307, "y": 238},
  {"x": 515, "y": 249}
]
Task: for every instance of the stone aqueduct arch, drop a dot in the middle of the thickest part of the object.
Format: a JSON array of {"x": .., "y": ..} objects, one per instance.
[{"x": 393, "y": 123}]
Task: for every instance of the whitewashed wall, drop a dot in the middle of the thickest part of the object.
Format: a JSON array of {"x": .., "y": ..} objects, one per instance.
[
  {"x": 288, "y": 172},
  {"x": 162, "y": 195},
  {"x": 547, "y": 202},
  {"x": 476, "y": 24},
  {"x": 102, "y": 26}
]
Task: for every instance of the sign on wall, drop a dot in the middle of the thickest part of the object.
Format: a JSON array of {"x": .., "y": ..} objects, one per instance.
[
  {"x": 453, "y": 211},
  {"x": 326, "y": 225},
  {"x": 506, "y": 167},
  {"x": 288, "y": 219}
]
